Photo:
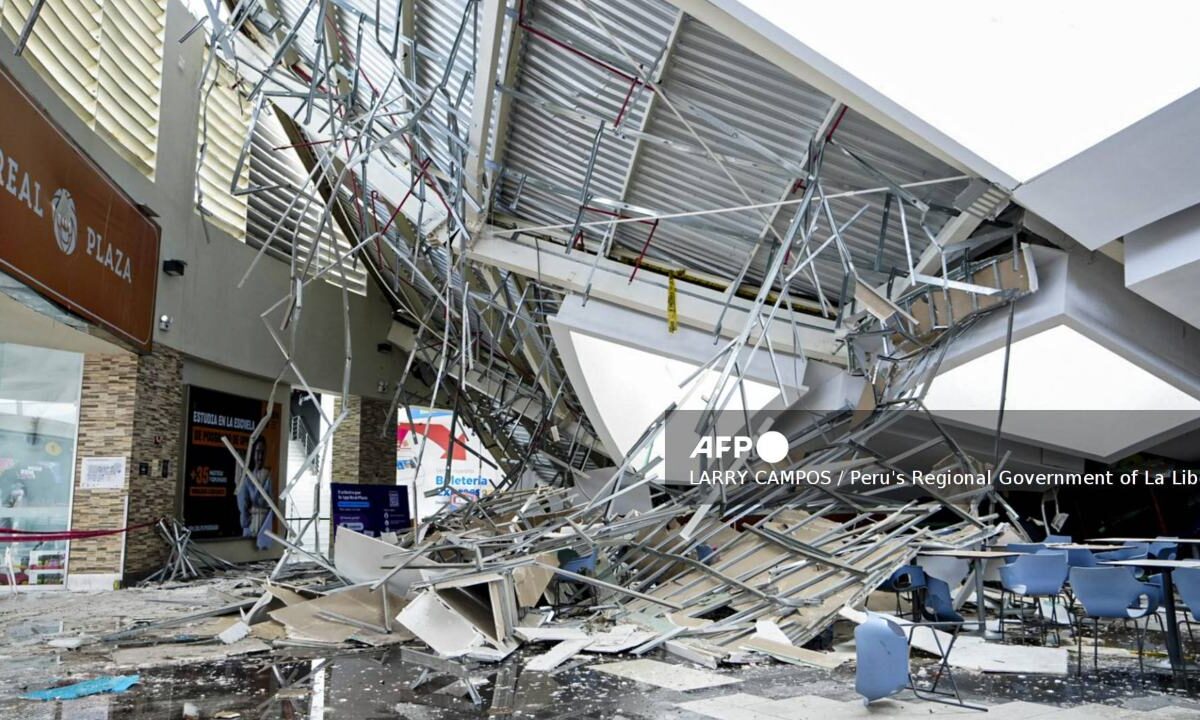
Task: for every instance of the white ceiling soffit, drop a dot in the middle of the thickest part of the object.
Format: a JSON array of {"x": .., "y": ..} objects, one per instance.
[
  {"x": 627, "y": 369},
  {"x": 1085, "y": 105},
  {"x": 786, "y": 34},
  {"x": 1094, "y": 369},
  {"x": 1141, "y": 174},
  {"x": 1162, "y": 264},
  {"x": 1024, "y": 84}
]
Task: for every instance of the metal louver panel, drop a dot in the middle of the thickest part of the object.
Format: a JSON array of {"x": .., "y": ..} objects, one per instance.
[
  {"x": 275, "y": 166},
  {"x": 130, "y": 76},
  {"x": 104, "y": 58},
  {"x": 64, "y": 48},
  {"x": 225, "y": 119}
]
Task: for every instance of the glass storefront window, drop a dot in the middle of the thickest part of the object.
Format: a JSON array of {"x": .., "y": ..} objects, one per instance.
[{"x": 39, "y": 412}]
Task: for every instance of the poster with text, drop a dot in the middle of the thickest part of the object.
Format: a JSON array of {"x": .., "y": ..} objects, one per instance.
[
  {"x": 217, "y": 503},
  {"x": 370, "y": 509},
  {"x": 426, "y": 437}
]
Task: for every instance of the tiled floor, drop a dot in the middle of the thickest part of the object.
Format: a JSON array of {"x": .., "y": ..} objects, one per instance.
[{"x": 743, "y": 706}]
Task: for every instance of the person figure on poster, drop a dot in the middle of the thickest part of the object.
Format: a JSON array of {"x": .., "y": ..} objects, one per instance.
[{"x": 254, "y": 509}]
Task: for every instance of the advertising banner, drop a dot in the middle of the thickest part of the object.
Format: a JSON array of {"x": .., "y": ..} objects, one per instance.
[
  {"x": 473, "y": 472},
  {"x": 217, "y": 502},
  {"x": 370, "y": 509},
  {"x": 69, "y": 232}
]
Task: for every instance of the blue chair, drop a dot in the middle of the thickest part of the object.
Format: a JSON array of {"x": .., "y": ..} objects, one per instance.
[
  {"x": 1080, "y": 557},
  {"x": 1112, "y": 593},
  {"x": 882, "y": 668},
  {"x": 1132, "y": 551},
  {"x": 1187, "y": 590},
  {"x": 1023, "y": 549},
  {"x": 1027, "y": 548},
  {"x": 907, "y": 579},
  {"x": 1037, "y": 576},
  {"x": 1077, "y": 557},
  {"x": 573, "y": 562},
  {"x": 1163, "y": 550},
  {"x": 1059, "y": 539},
  {"x": 882, "y": 659},
  {"x": 938, "y": 605}
]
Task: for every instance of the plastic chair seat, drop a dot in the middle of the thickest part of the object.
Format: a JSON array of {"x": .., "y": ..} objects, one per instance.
[
  {"x": 881, "y": 651},
  {"x": 1039, "y": 575},
  {"x": 1113, "y": 593}
]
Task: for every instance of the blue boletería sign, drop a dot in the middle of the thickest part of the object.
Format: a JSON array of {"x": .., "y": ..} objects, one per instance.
[{"x": 370, "y": 509}]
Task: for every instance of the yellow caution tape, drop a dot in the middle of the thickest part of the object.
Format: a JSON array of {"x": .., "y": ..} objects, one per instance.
[{"x": 672, "y": 311}]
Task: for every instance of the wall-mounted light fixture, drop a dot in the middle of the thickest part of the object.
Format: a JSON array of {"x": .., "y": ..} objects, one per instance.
[{"x": 174, "y": 268}]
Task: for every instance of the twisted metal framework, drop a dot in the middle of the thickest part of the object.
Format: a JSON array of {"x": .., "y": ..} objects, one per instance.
[{"x": 403, "y": 138}]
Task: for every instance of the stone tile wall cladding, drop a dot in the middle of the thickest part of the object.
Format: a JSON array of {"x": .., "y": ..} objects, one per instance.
[
  {"x": 362, "y": 453},
  {"x": 130, "y": 406},
  {"x": 106, "y": 410},
  {"x": 157, "y": 436}
]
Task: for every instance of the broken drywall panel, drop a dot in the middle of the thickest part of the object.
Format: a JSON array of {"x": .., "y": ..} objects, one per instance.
[
  {"x": 974, "y": 653},
  {"x": 682, "y": 620},
  {"x": 364, "y": 559},
  {"x": 431, "y": 619},
  {"x": 665, "y": 675},
  {"x": 590, "y": 483},
  {"x": 878, "y": 305},
  {"x": 284, "y": 595},
  {"x": 338, "y": 616},
  {"x": 619, "y": 638},
  {"x": 486, "y": 600},
  {"x": 556, "y": 655},
  {"x": 274, "y": 597},
  {"x": 769, "y": 639},
  {"x": 770, "y": 630},
  {"x": 268, "y": 630},
  {"x": 795, "y": 655},
  {"x": 234, "y": 632},
  {"x": 551, "y": 634},
  {"x": 695, "y": 652},
  {"x": 531, "y": 581}
]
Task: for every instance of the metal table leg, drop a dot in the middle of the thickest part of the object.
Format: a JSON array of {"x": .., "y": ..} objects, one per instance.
[
  {"x": 1173, "y": 649},
  {"x": 980, "y": 605}
]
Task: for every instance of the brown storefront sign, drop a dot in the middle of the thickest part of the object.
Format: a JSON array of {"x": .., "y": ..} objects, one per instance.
[{"x": 66, "y": 230}]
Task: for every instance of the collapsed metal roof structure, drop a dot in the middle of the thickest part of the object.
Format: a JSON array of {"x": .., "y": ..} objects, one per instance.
[{"x": 488, "y": 158}]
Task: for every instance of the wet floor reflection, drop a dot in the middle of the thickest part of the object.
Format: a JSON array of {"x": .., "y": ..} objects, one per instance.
[{"x": 396, "y": 684}]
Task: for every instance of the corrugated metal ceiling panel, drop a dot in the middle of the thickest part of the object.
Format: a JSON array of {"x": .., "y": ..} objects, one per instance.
[{"x": 721, "y": 89}]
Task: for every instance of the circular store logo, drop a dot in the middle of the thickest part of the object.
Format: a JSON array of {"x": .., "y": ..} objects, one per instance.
[{"x": 65, "y": 226}]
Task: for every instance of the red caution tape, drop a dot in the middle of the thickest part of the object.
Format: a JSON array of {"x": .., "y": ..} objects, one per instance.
[{"x": 9, "y": 536}]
